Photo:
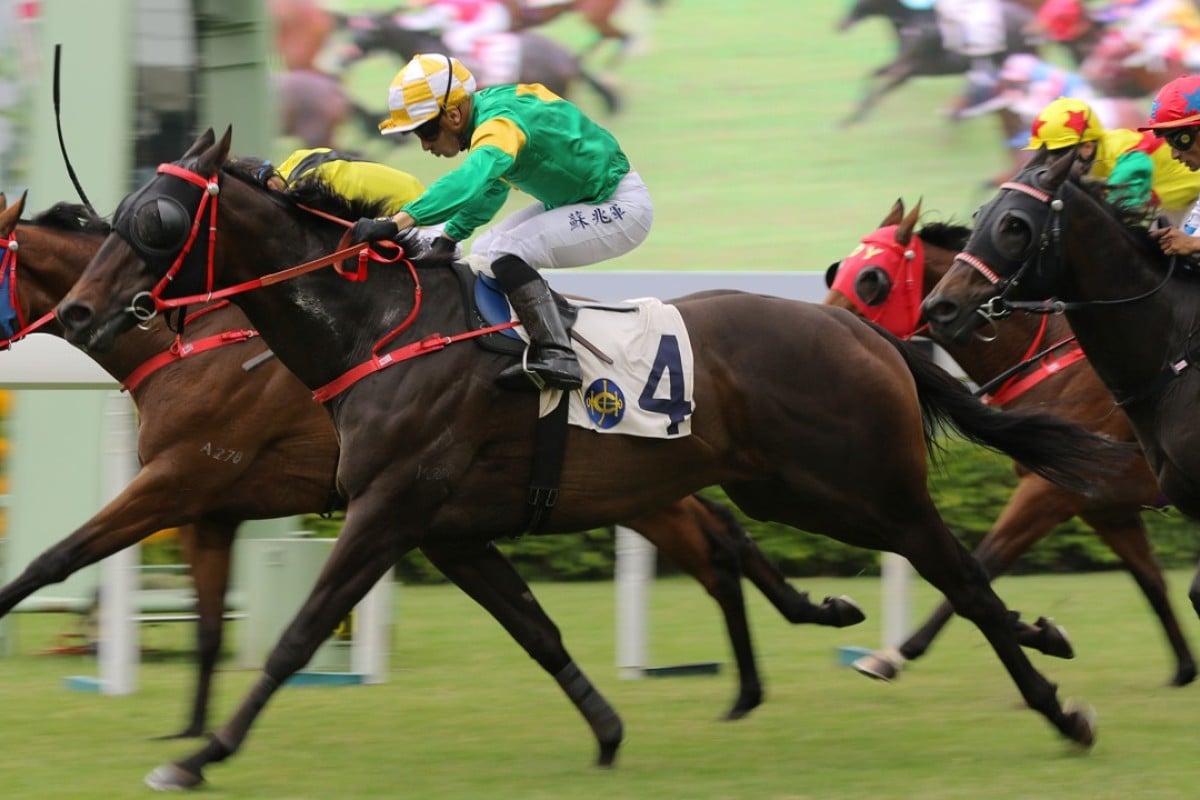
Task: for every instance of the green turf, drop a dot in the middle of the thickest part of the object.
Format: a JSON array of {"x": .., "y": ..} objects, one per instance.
[{"x": 465, "y": 714}]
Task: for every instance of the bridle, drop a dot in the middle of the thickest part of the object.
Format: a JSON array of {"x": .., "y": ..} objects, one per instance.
[
  {"x": 145, "y": 305},
  {"x": 1047, "y": 252},
  {"x": 9, "y": 298}
]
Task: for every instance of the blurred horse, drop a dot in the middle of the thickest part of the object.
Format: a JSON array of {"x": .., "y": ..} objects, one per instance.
[
  {"x": 1024, "y": 362},
  {"x": 808, "y": 416},
  {"x": 241, "y": 459},
  {"x": 920, "y": 51},
  {"x": 541, "y": 59}
]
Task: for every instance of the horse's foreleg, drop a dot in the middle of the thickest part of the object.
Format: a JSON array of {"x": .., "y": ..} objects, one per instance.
[
  {"x": 492, "y": 582},
  {"x": 1034, "y": 509},
  {"x": 207, "y": 547},
  {"x": 142, "y": 508},
  {"x": 887, "y": 79},
  {"x": 359, "y": 559},
  {"x": 944, "y": 562},
  {"x": 1130, "y": 543}
]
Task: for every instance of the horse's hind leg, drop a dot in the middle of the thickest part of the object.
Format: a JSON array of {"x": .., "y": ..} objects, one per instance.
[
  {"x": 207, "y": 547},
  {"x": 1130, "y": 543},
  {"x": 1034, "y": 509},
  {"x": 490, "y": 580},
  {"x": 360, "y": 557}
]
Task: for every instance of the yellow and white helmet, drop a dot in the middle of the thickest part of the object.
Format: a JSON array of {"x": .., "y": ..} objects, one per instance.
[
  {"x": 1065, "y": 122},
  {"x": 423, "y": 88}
]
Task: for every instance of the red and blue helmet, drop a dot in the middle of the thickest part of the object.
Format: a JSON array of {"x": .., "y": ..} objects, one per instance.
[{"x": 1177, "y": 105}]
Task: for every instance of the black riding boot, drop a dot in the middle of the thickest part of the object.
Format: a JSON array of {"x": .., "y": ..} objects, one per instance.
[{"x": 549, "y": 361}]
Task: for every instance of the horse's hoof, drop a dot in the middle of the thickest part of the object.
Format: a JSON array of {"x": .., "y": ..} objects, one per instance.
[
  {"x": 1185, "y": 674},
  {"x": 172, "y": 778},
  {"x": 845, "y": 611},
  {"x": 742, "y": 707},
  {"x": 608, "y": 754},
  {"x": 883, "y": 665},
  {"x": 1082, "y": 720},
  {"x": 1054, "y": 639},
  {"x": 186, "y": 733}
]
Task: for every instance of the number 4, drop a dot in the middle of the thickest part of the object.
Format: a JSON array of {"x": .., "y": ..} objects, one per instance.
[{"x": 667, "y": 360}]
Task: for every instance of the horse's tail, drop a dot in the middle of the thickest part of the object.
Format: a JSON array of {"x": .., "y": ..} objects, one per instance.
[{"x": 1061, "y": 451}]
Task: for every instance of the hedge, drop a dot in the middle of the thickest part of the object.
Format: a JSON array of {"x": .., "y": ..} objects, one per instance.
[{"x": 969, "y": 484}]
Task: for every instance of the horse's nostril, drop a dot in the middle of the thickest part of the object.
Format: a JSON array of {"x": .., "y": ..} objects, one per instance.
[
  {"x": 74, "y": 315},
  {"x": 939, "y": 310}
]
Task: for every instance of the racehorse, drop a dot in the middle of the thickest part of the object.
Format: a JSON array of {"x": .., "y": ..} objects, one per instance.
[
  {"x": 1023, "y": 362},
  {"x": 805, "y": 414},
  {"x": 919, "y": 49},
  {"x": 542, "y": 60},
  {"x": 1133, "y": 309},
  {"x": 598, "y": 13},
  {"x": 244, "y": 460}
]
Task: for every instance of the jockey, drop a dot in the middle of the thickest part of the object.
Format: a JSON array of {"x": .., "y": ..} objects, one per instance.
[
  {"x": 1175, "y": 117},
  {"x": 1138, "y": 168},
  {"x": 591, "y": 206},
  {"x": 974, "y": 29},
  {"x": 349, "y": 176}
]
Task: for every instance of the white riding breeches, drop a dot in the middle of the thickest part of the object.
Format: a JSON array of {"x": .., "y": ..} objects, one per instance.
[{"x": 572, "y": 235}]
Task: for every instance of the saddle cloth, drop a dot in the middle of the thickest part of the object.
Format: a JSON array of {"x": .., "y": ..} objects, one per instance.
[{"x": 647, "y": 389}]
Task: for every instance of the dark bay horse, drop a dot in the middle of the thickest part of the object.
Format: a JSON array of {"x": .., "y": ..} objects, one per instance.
[
  {"x": 1133, "y": 309},
  {"x": 919, "y": 49},
  {"x": 286, "y": 457},
  {"x": 1028, "y": 362},
  {"x": 808, "y": 416}
]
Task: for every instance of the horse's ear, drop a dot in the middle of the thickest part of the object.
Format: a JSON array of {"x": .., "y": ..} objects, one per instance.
[
  {"x": 202, "y": 143},
  {"x": 904, "y": 230},
  {"x": 216, "y": 155},
  {"x": 1058, "y": 171},
  {"x": 1039, "y": 158},
  {"x": 10, "y": 215},
  {"x": 893, "y": 216}
]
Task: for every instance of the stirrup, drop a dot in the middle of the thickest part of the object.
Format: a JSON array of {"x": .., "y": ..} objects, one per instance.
[{"x": 524, "y": 376}]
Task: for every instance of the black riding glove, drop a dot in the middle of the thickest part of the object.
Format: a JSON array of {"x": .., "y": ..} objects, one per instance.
[
  {"x": 441, "y": 245},
  {"x": 373, "y": 230}
]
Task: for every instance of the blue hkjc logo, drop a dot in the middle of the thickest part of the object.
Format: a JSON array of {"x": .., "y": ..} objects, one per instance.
[{"x": 605, "y": 403}]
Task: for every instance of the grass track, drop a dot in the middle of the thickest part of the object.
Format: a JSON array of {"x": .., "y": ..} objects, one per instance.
[{"x": 466, "y": 715}]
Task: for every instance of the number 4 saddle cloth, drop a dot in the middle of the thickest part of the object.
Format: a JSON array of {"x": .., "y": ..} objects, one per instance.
[{"x": 637, "y": 371}]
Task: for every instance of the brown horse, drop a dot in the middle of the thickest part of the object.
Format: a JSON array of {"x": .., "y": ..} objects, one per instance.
[
  {"x": 286, "y": 459},
  {"x": 598, "y": 14},
  {"x": 1026, "y": 362},
  {"x": 804, "y": 413}
]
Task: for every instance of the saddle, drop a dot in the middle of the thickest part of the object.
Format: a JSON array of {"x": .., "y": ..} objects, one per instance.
[{"x": 485, "y": 305}]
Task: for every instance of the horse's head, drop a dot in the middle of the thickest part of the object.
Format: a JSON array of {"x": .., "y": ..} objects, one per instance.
[
  {"x": 160, "y": 248},
  {"x": 1012, "y": 253},
  {"x": 893, "y": 10},
  {"x": 882, "y": 277}
]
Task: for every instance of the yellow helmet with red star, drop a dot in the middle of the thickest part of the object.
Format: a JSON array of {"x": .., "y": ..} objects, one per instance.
[
  {"x": 1177, "y": 105},
  {"x": 1064, "y": 123}
]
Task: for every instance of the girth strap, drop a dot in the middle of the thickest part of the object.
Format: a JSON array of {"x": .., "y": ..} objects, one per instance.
[{"x": 549, "y": 445}]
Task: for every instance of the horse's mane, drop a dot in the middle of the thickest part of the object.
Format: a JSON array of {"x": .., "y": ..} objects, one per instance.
[
  {"x": 73, "y": 217},
  {"x": 312, "y": 192},
  {"x": 946, "y": 235},
  {"x": 1132, "y": 221}
]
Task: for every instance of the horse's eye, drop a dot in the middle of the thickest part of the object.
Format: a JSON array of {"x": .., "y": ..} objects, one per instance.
[
  {"x": 873, "y": 285},
  {"x": 160, "y": 225}
]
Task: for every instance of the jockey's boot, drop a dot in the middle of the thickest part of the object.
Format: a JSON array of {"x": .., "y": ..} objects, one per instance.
[{"x": 549, "y": 361}]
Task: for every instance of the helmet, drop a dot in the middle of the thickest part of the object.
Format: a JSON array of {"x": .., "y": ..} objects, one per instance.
[
  {"x": 1065, "y": 122},
  {"x": 1062, "y": 20},
  {"x": 1177, "y": 105},
  {"x": 423, "y": 88}
]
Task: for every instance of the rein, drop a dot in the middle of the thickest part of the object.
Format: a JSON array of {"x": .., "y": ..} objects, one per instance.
[{"x": 363, "y": 251}]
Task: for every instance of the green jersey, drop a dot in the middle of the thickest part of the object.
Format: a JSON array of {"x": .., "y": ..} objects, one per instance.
[{"x": 527, "y": 137}]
